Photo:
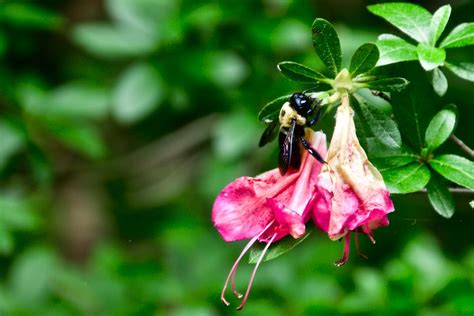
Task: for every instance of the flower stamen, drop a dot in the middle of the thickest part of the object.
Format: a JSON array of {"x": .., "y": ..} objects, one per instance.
[
  {"x": 236, "y": 264},
  {"x": 347, "y": 247},
  {"x": 254, "y": 272},
  {"x": 357, "y": 245}
]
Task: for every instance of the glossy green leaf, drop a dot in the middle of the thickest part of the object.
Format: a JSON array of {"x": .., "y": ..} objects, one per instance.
[
  {"x": 394, "y": 49},
  {"x": 326, "y": 44},
  {"x": 413, "y": 106},
  {"x": 281, "y": 247},
  {"x": 438, "y": 22},
  {"x": 461, "y": 35},
  {"x": 441, "y": 127},
  {"x": 396, "y": 160},
  {"x": 455, "y": 168},
  {"x": 388, "y": 84},
  {"x": 440, "y": 198},
  {"x": 375, "y": 148},
  {"x": 364, "y": 59},
  {"x": 298, "y": 72},
  {"x": 406, "y": 179},
  {"x": 462, "y": 70},
  {"x": 382, "y": 127},
  {"x": 430, "y": 57},
  {"x": 411, "y": 19},
  {"x": 138, "y": 92},
  {"x": 439, "y": 82},
  {"x": 271, "y": 110},
  {"x": 110, "y": 41}
]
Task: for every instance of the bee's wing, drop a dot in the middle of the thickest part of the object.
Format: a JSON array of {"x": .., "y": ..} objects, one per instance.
[
  {"x": 269, "y": 134},
  {"x": 286, "y": 148}
]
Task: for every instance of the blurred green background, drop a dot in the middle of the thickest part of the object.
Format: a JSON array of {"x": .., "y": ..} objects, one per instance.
[{"x": 121, "y": 120}]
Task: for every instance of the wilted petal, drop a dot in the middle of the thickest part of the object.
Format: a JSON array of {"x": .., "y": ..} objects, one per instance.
[{"x": 350, "y": 191}]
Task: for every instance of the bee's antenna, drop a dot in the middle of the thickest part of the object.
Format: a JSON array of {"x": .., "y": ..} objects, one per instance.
[{"x": 307, "y": 90}]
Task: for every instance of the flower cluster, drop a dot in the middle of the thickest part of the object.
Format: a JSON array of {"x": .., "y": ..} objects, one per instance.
[{"x": 347, "y": 194}]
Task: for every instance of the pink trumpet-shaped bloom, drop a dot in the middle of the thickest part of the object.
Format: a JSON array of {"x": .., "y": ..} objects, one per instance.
[
  {"x": 268, "y": 207},
  {"x": 350, "y": 193}
]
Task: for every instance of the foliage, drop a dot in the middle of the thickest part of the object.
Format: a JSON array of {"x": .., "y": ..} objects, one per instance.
[{"x": 426, "y": 30}]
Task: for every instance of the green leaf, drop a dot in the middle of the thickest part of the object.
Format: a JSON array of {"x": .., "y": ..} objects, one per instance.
[
  {"x": 281, "y": 247},
  {"x": 396, "y": 160},
  {"x": 382, "y": 127},
  {"x": 413, "y": 106},
  {"x": 28, "y": 15},
  {"x": 298, "y": 72},
  {"x": 411, "y": 19},
  {"x": 364, "y": 59},
  {"x": 326, "y": 44},
  {"x": 271, "y": 110},
  {"x": 18, "y": 213},
  {"x": 438, "y": 22},
  {"x": 388, "y": 84},
  {"x": 12, "y": 141},
  {"x": 461, "y": 35},
  {"x": 76, "y": 99},
  {"x": 455, "y": 168},
  {"x": 147, "y": 15},
  {"x": 406, "y": 179},
  {"x": 79, "y": 136},
  {"x": 471, "y": 204},
  {"x": 440, "y": 197},
  {"x": 226, "y": 145},
  {"x": 31, "y": 275},
  {"x": 439, "y": 82},
  {"x": 430, "y": 57},
  {"x": 7, "y": 243},
  {"x": 441, "y": 127},
  {"x": 393, "y": 49},
  {"x": 110, "y": 41},
  {"x": 462, "y": 70},
  {"x": 138, "y": 92}
]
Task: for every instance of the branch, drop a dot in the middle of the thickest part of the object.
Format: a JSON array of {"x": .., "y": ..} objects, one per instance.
[
  {"x": 463, "y": 146},
  {"x": 454, "y": 190}
]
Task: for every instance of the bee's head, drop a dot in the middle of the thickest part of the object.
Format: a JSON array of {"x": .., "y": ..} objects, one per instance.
[{"x": 301, "y": 103}]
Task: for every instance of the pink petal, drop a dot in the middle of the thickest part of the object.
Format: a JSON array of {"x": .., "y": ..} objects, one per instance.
[
  {"x": 247, "y": 205},
  {"x": 241, "y": 210}
]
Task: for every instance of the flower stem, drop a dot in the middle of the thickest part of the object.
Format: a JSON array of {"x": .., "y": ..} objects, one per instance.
[{"x": 463, "y": 146}]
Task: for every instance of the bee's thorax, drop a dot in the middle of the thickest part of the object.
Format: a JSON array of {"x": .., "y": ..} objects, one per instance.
[{"x": 288, "y": 114}]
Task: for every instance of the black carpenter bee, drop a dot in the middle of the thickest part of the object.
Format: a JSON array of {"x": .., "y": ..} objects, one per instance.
[{"x": 299, "y": 112}]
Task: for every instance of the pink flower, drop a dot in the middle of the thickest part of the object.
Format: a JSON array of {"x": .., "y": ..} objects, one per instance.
[
  {"x": 268, "y": 207},
  {"x": 351, "y": 193}
]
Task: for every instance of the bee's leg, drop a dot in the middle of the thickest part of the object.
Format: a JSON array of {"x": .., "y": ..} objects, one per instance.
[
  {"x": 315, "y": 118},
  {"x": 311, "y": 150}
]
